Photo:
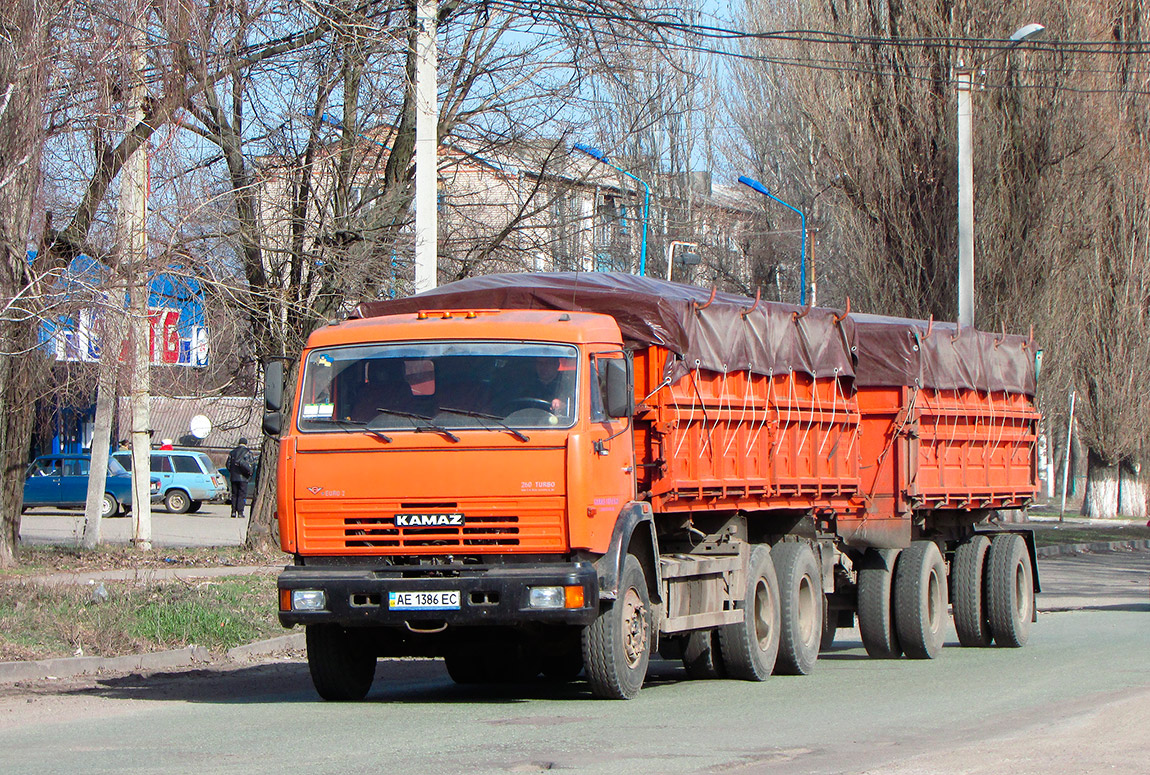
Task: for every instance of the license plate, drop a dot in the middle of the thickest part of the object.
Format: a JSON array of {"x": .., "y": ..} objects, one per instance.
[{"x": 423, "y": 601}]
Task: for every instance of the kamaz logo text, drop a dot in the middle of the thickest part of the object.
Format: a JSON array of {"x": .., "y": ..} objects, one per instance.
[{"x": 428, "y": 520}]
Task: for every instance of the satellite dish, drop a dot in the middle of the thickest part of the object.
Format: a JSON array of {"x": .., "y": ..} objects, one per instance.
[{"x": 200, "y": 426}]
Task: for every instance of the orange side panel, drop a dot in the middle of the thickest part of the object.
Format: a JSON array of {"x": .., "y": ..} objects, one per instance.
[{"x": 745, "y": 441}]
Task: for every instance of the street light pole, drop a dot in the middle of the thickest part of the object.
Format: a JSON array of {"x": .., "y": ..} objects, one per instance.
[
  {"x": 964, "y": 81},
  {"x": 965, "y": 201},
  {"x": 599, "y": 156},
  {"x": 426, "y": 147},
  {"x": 757, "y": 186}
]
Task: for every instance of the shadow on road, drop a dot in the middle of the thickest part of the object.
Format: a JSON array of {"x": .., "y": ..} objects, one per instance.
[{"x": 396, "y": 681}]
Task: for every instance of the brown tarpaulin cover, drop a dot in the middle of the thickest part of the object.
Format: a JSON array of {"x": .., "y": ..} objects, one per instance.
[{"x": 733, "y": 334}]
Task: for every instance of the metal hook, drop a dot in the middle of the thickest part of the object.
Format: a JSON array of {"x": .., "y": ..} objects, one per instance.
[
  {"x": 755, "y": 306},
  {"x": 957, "y": 331},
  {"x": 929, "y": 327},
  {"x": 840, "y": 318},
  {"x": 700, "y": 308},
  {"x": 796, "y": 316}
]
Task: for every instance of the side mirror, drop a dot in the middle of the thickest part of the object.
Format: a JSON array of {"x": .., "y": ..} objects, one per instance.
[
  {"x": 273, "y": 423},
  {"x": 620, "y": 396},
  {"x": 273, "y": 387}
]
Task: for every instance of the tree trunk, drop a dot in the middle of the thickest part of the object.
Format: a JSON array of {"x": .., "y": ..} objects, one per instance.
[
  {"x": 1101, "y": 498},
  {"x": 263, "y": 527},
  {"x": 111, "y": 343},
  {"x": 1131, "y": 490}
]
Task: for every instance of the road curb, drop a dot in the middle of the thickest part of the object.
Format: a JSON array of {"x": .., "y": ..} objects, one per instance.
[
  {"x": 190, "y": 656},
  {"x": 70, "y": 667},
  {"x": 1133, "y": 545}
]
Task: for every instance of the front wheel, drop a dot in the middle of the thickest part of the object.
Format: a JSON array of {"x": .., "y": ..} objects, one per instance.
[
  {"x": 177, "y": 501},
  {"x": 342, "y": 666},
  {"x": 617, "y": 645}
]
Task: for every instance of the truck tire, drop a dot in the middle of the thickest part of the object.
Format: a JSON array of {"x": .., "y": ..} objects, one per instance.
[
  {"x": 702, "y": 656},
  {"x": 875, "y": 577},
  {"x": 617, "y": 645},
  {"x": 830, "y": 628},
  {"x": 1010, "y": 590},
  {"x": 968, "y": 591},
  {"x": 750, "y": 648},
  {"x": 800, "y": 608},
  {"x": 342, "y": 667},
  {"x": 920, "y": 600}
]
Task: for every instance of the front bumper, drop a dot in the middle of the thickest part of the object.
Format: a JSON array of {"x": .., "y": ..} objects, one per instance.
[{"x": 489, "y": 595}]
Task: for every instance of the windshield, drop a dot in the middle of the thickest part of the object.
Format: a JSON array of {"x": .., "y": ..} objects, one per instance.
[{"x": 439, "y": 385}]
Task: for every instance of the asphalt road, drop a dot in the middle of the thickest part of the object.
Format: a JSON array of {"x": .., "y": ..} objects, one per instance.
[
  {"x": 212, "y": 525},
  {"x": 1075, "y": 699}
]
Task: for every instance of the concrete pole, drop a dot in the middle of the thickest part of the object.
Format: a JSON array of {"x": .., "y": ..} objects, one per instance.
[
  {"x": 134, "y": 240},
  {"x": 965, "y": 201},
  {"x": 426, "y": 147}
]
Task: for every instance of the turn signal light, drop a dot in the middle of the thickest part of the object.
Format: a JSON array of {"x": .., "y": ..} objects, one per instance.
[{"x": 573, "y": 597}]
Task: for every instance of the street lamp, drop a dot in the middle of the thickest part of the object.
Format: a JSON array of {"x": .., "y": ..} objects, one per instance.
[
  {"x": 688, "y": 258},
  {"x": 963, "y": 83},
  {"x": 598, "y": 155},
  {"x": 757, "y": 186}
]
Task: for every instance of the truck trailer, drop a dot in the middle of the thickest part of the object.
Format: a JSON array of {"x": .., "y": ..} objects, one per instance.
[{"x": 564, "y": 473}]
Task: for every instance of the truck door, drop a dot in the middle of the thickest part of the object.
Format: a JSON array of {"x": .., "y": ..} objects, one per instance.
[{"x": 612, "y": 468}]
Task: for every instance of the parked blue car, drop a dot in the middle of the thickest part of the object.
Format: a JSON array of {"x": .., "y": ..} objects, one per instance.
[
  {"x": 62, "y": 481},
  {"x": 187, "y": 478}
]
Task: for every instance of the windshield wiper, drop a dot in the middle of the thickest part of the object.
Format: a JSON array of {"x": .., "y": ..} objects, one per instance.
[
  {"x": 485, "y": 416},
  {"x": 425, "y": 426},
  {"x": 356, "y": 425}
]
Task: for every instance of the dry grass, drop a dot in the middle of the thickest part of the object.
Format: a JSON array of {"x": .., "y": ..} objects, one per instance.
[
  {"x": 38, "y": 621},
  {"x": 35, "y": 560}
]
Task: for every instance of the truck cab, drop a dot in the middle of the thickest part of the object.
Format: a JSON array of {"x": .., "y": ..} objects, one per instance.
[{"x": 445, "y": 473}]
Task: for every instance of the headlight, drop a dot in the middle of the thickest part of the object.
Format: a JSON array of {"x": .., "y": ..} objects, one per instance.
[
  {"x": 571, "y": 596},
  {"x": 308, "y": 600},
  {"x": 545, "y": 597}
]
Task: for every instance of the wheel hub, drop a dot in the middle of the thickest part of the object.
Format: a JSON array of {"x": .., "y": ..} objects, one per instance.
[{"x": 634, "y": 627}]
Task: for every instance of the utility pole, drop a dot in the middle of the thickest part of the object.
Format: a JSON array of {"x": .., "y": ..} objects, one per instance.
[
  {"x": 132, "y": 219},
  {"x": 426, "y": 148}
]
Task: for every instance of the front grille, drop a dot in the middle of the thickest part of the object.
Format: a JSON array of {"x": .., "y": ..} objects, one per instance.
[
  {"x": 478, "y": 531},
  {"x": 359, "y": 527}
]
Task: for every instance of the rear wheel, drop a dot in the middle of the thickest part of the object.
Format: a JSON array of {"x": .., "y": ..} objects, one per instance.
[
  {"x": 750, "y": 648},
  {"x": 800, "y": 608},
  {"x": 341, "y": 664},
  {"x": 920, "y": 600},
  {"x": 968, "y": 590},
  {"x": 109, "y": 506},
  {"x": 177, "y": 501},
  {"x": 702, "y": 655},
  {"x": 195, "y": 507},
  {"x": 876, "y": 603},
  {"x": 1010, "y": 590},
  {"x": 617, "y": 645}
]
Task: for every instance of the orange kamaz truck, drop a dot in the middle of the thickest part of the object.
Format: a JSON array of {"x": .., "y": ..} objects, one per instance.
[{"x": 566, "y": 473}]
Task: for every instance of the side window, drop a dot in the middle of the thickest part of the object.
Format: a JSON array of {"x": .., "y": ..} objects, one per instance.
[
  {"x": 75, "y": 467},
  {"x": 186, "y": 464},
  {"x": 124, "y": 460},
  {"x": 46, "y": 468},
  {"x": 599, "y": 385},
  {"x": 161, "y": 464}
]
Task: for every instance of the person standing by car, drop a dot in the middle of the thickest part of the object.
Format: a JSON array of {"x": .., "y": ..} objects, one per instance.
[{"x": 240, "y": 465}]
